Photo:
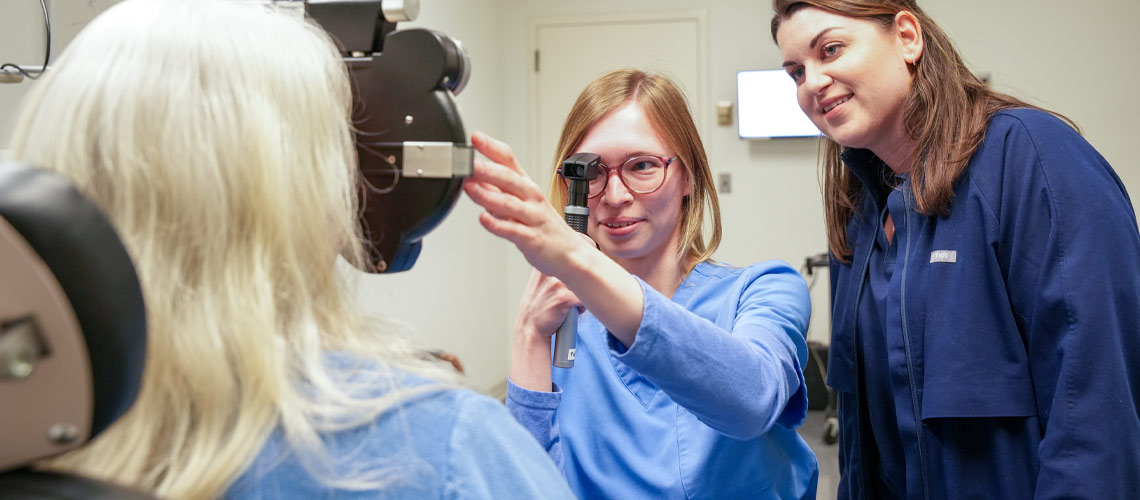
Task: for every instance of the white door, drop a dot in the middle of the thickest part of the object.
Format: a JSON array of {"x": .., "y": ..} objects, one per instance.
[{"x": 571, "y": 52}]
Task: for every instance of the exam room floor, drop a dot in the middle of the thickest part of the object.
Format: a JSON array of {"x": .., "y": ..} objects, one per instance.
[{"x": 827, "y": 454}]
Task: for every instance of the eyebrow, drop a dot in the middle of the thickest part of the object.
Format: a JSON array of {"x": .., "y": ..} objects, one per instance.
[
  {"x": 632, "y": 154},
  {"x": 814, "y": 41}
]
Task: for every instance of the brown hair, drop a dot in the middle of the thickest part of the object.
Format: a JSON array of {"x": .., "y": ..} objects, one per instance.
[
  {"x": 946, "y": 113},
  {"x": 667, "y": 110}
]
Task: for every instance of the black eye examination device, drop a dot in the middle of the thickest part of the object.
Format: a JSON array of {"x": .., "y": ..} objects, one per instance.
[
  {"x": 72, "y": 319},
  {"x": 578, "y": 170},
  {"x": 410, "y": 140}
]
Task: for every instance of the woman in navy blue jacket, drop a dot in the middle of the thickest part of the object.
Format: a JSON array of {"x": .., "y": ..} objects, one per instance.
[{"x": 985, "y": 270}]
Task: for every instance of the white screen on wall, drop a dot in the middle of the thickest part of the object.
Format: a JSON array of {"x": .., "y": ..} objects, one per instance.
[{"x": 766, "y": 106}]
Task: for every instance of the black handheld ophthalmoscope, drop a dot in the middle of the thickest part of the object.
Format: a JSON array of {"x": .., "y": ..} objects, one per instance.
[{"x": 579, "y": 170}]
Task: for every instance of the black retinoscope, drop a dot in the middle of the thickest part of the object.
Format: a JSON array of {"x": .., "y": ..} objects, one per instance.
[{"x": 578, "y": 170}]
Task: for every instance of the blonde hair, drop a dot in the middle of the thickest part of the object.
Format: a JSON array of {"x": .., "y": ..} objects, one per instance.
[
  {"x": 217, "y": 138},
  {"x": 665, "y": 106}
]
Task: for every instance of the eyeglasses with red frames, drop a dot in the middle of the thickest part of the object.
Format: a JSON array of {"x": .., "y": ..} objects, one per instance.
[{"x": 641, "y": 174}]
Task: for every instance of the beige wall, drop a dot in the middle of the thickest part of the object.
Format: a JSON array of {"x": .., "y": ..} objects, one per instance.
[
  {"x": 22, "y": 42},
  {"x": 462, "y": 295}
]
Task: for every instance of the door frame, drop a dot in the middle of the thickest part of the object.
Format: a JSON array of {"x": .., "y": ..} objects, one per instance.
[{"x": 697, "y": 98}]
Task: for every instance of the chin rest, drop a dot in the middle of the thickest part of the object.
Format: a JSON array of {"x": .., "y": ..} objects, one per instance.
[{"x": 72, "y": 331}]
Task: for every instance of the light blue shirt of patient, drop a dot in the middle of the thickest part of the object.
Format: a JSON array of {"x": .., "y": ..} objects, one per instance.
[{"x": 445, "y": 444}]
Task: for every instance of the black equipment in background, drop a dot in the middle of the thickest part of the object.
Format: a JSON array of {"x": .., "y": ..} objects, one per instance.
[
  {"x": 815, "y": 377},
  {"x": 579, "y": 170},
  {"x": 820, "y": 396},
  {"x": 411, "y": 144},
  {"x": 15, "y": 73},
  {"x": 815, "y": 373}
]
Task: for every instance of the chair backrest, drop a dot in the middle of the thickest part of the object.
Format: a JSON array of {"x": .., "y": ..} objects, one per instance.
[{"x": 72, "y": 331}]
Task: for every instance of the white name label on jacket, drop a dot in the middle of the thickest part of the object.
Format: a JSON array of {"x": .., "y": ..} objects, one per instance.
[{"x": 950, "y": 256}]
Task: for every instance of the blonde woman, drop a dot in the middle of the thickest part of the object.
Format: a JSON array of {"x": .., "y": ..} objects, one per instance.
[
  {"x": 687, "y": 380},
  {"x": 217, "y": 138}
]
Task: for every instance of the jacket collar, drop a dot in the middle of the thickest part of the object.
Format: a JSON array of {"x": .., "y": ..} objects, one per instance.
[{"x": 871, "y": 171}]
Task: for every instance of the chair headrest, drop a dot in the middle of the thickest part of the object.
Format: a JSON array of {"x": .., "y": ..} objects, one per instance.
[{"x": 72, "y": 318}]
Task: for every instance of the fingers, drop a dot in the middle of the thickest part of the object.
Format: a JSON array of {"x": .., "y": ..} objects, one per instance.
[
  {"x": 555, "y": 290},
  {"x": 546, "y": 302},
  {"x": 551, "y": 292},
  {"x": 504, "y": 228},
  {"x": 506, "y": 180},
  {"x": 495, "y": 150},
  {"x": 502, "y": 205},
  {"x": 516, "y": 208},
  {"x": 508, "y": 194}
]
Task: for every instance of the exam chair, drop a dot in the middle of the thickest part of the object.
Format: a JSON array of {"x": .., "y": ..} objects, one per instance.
[{"x": 72, "y": 333}]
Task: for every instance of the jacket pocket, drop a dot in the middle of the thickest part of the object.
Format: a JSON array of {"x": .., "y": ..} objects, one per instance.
[
  {"x": 953, "y": 392},
  {"x": 973, "y": 364},
  {"x": 982, "y": 456},
  {"x": 979, "y": 416}
]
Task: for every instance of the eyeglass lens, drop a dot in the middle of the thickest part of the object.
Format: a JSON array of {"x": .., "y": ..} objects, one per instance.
[{"x": 641, "y": 174}]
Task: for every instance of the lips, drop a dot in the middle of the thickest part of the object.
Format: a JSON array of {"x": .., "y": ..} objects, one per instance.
[
  {"x": 830, "y": 104},
  {"x": 620, "y": 226}
]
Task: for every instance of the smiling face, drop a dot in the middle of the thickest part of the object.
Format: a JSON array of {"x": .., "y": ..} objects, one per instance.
[
  {"x": 852, "y": 77},
  {"x": 634, "y": 229}
]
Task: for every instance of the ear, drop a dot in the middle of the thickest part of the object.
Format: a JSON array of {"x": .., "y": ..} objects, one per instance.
[
  {"x": 909, "y": 35},
  {"x": 688, "y": 180}
]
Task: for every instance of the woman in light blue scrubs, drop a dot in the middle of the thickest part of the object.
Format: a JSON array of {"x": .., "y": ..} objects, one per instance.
[{"x": 687, "y": 381}]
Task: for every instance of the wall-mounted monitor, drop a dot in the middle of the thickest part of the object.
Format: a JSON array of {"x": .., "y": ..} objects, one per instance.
[{"x": 767, "y": 108}]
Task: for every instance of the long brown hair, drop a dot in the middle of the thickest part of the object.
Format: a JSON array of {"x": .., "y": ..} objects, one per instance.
[
  {"x": 667, "y": 110},
  {"x": 946, "y": 113}
]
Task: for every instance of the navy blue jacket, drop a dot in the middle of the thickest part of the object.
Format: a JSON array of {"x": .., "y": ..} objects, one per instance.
[{"x": 1016, "y": 320}]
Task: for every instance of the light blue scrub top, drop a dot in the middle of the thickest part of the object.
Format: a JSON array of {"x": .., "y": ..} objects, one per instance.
[{"x": 703, "y": 405}]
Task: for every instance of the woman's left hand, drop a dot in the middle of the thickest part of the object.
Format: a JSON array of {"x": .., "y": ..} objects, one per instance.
[{"x": 517, "y": 210}]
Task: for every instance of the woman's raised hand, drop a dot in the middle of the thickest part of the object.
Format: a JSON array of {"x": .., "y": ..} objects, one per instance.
[{"x": 517, "y": 209}]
